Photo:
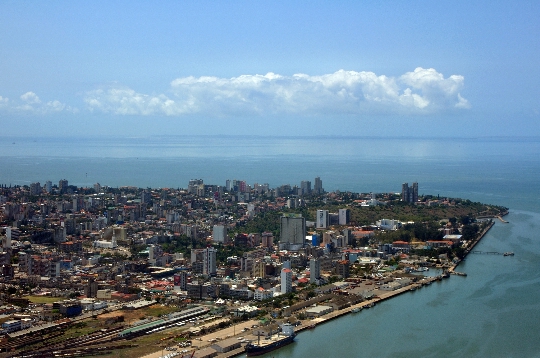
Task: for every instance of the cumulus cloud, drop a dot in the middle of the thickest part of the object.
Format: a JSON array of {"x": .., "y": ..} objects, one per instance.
[
  {"x": 30, "y": 102},
  {"x": 419, "y": 91},
  {"x": 30, "y": 98}
]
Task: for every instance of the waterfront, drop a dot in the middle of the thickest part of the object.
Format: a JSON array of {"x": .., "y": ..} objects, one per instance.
[{"x": 494, "y": 311}]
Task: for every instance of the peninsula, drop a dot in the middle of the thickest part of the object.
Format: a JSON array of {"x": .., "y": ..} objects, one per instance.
[{"x": 205, "y": 270}]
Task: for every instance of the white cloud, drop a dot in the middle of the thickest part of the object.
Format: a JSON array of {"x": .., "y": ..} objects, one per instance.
[
  {"x": 31, "y": 103},
  {"x": 420, "y": 91},
  {"x": 30, "y": 98}
]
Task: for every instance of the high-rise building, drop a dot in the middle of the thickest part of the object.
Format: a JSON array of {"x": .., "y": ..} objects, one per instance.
[
  {"x": 62, "y": 186},
  {"x": 318, "y": 189},
  {"x": 305, "y": 187},
  {"x": 219, "y": 234},
  {"x": 35, "y": 188},
  {"x": 323, "y": 219},
  {"x": 293, "y": 231},
  {"x": 193, "y": 185},
  {"x": 409, "y": 194},
  {"x": 314, "y": 270},
  {"x": 48, "y": 186},
  {"x": 286, "y": 280},
  {"x": 209, "y": 261},
  {"x": 344, "y": 216}
]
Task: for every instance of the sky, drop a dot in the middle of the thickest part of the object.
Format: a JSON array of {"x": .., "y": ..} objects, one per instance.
[{"x": 394, "y": 68}]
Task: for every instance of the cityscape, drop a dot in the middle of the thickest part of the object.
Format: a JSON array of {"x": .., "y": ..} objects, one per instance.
[{"x": 210, "y": 257}]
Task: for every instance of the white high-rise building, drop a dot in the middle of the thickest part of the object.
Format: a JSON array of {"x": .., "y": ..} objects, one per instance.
[
  {"x": 209, "y": 261},
  {"x": 323, "y": 219},
  {"x": 286, "y": 280},
  {"x": 344, "y": 216}
]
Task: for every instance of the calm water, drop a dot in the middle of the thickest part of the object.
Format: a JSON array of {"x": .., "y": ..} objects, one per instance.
[{"x": 494, "y": 312}]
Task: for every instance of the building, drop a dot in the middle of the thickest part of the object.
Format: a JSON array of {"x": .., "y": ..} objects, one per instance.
[
  {"x": 344, "y": 216},
  {"x": 293, "y": 232},
  {"x": 323, "y": 219},
  {"x": 286, "y": 280},
  {"x": 409, "y": 194},
  {"x": 35, "y": 188},
  {"x": 314, "y": 270},
  {"x": 318, "y": 189},
  {"x": 62, "y": 186},
  {"x": 261, "y": 294},
  {"x": 305, "y": 187},
  {"x": 219, "y": 234},
  {"x": 209, "y": 261}
]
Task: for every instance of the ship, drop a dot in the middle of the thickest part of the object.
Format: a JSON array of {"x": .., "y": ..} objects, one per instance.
[
  {"x": 508, "y": 254},
  {"x": 356, "y": 309},
  {"x": 273, "y": 343}
]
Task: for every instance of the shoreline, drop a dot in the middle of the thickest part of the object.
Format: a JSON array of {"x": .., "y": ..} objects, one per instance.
[{"x": 311, "y": 324}]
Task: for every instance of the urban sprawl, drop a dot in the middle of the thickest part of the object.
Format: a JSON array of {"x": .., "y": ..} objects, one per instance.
[{"x": 204, "y": 270}]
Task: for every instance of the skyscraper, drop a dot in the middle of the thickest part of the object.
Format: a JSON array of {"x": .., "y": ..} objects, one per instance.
[
  {"x": 409, "y": 194},
  {"x": 323, "y": 219},
  {"x": 314, "y": 270},
  {"x": 286, "y": 280},
  {"x": 209, "y": 261},
  {"x": 293, "y": 231},
  {"x": 306, "y": 187},
  {"x": 318, "y": 189}
]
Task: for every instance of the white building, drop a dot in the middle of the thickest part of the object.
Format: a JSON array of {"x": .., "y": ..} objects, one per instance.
[
  {"x": 344, "y": 216},
  {"x": 323, "y": 219},
  {"x": 261, "y": 294},
  {"x": 209, "y": 261},
  {"x": 286, "y": 280}
]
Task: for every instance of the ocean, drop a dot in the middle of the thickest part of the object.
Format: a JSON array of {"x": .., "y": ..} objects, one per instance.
[{"x": 493, "y": 312}]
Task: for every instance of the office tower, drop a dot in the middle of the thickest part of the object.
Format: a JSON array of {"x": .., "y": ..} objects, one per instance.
[
  {"x": 322, "y": 219},
  {"x": 293, "y": 230},
  {"x": 344, "y": 216},
  {"x": 318, "y": 189}
]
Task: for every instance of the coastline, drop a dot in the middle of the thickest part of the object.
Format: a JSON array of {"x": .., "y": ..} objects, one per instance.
[{"x": 310, "y": 324}]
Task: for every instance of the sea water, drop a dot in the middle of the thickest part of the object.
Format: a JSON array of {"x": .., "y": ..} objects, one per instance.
[{"x": 493, "y": 312}]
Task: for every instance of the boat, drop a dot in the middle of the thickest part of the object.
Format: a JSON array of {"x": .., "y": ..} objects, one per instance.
[
  {"x": 273, "y": 343},
  {"x": 508, "y": 253},
  {"x": 356, "y": 310}
]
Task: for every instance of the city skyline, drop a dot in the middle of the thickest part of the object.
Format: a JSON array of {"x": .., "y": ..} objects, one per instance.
[{"x": 76, "y": 69}]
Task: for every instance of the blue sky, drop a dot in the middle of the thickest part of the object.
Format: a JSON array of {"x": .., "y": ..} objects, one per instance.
[{"x": 283, "y": 68}]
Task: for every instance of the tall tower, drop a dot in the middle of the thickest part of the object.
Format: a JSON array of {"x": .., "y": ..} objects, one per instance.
[
  {"x": 323, "y": 219},
  {"x": 209, "y": 261},
  {"x": 314, "y": 270},
  {"x": 318, "y": 189},
  {"x": 293, "y": 231},
  {"x": 286, "y": 280}
]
